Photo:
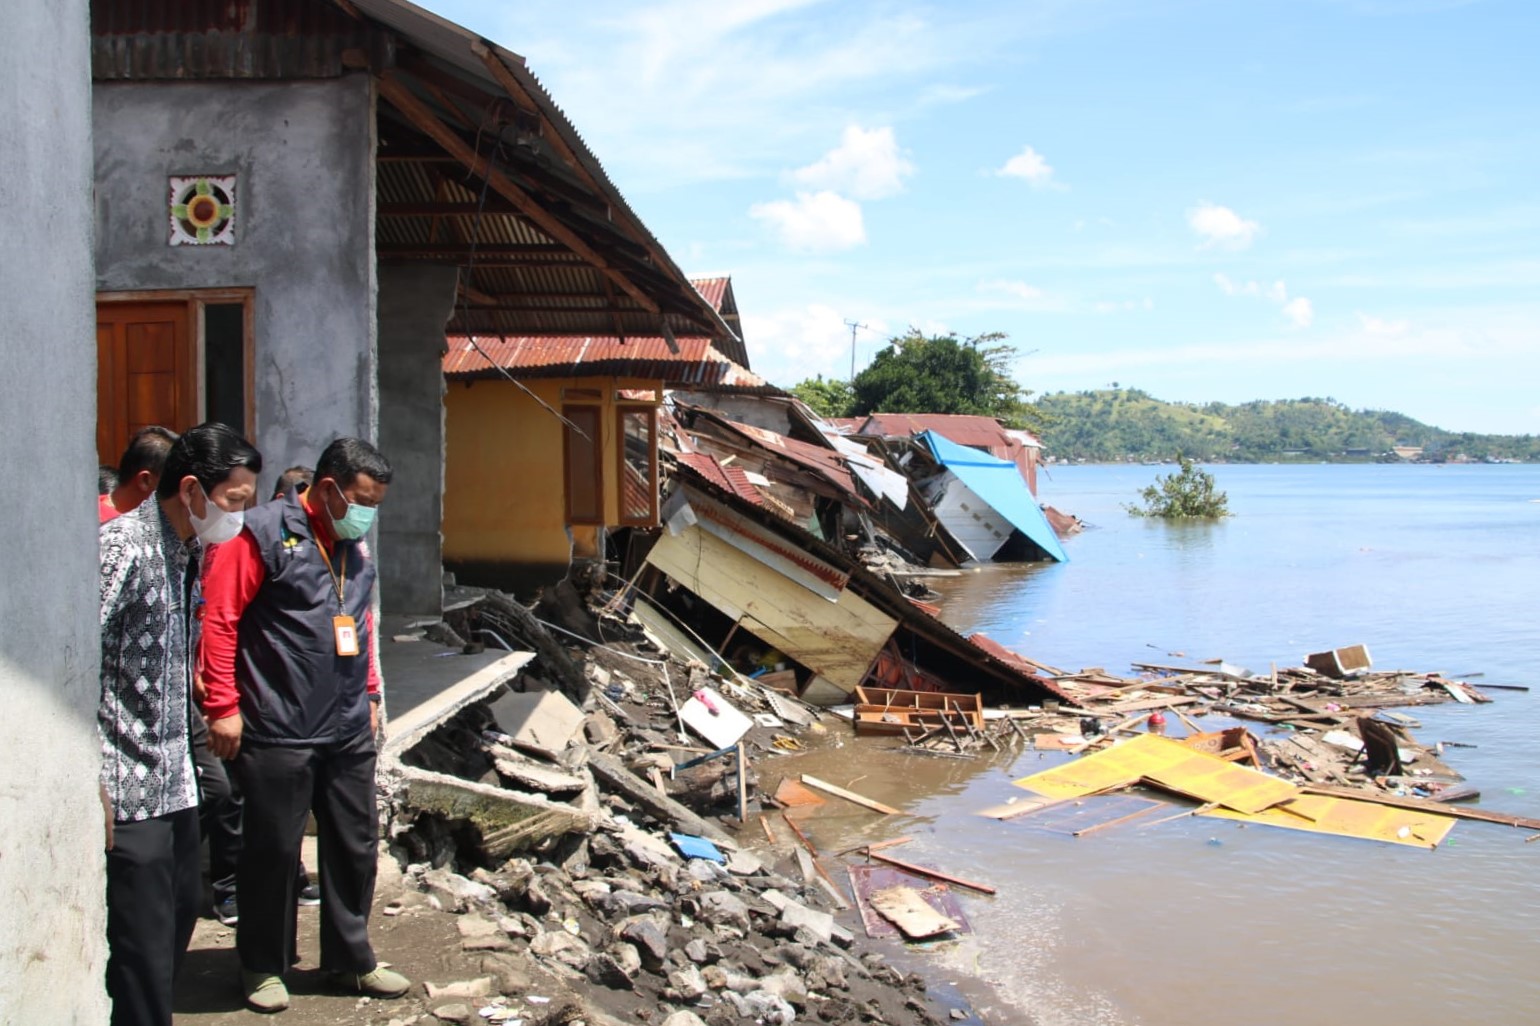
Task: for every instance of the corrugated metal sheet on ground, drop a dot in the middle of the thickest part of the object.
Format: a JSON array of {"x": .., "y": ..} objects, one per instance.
[
  {"x": 1343, "y": 817},
  {"x": 999, "y": 484},
  {"x": 1166, "y": 764}
]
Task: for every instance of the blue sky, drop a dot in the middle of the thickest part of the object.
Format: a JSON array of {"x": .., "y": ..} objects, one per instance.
[{"x": 1206, "y": 199}]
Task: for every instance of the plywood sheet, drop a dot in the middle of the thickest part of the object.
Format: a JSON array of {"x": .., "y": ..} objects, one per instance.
[
  {"x": 1166, "y": 764},
  {"x": 864, "y": 880},
  {"x": 1346, "y": 818},
  {"x": 905, "y": 909},
  {"x": 837, "y": 640},
  {"x": 1088, "y": 814}
]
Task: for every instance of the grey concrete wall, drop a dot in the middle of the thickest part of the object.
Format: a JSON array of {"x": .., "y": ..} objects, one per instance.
[
  {"x": 52, "y": 916},
  {"x": 303, "y": 154},
  {"x": 416, "y": 301}
]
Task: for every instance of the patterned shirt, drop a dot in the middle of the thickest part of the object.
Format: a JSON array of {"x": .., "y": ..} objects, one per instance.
[{"x": 147, "y": 573}]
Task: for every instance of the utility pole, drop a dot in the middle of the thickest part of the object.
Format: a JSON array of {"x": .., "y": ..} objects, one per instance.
[{"x": 854, "y": 327}]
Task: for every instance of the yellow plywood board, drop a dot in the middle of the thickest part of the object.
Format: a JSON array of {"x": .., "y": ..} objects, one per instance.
[
  {"x": 1167, "y": 764},
  {"x": 1346, "y": 818},
  {"x": 837, "y": 640}
]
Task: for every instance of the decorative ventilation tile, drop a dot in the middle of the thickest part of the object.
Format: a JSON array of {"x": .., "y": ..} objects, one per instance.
[{"x": 202, "y": 210}]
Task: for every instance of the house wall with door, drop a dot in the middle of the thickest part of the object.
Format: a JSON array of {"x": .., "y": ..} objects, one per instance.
[
  {"x": 53, "y": 918},
  {"x": 302, "y": 153},
  {"x": 523, "y": 494}
]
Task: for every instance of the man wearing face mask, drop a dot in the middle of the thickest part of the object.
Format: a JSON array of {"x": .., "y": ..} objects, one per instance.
[
  {"x": 292, "y": 690},
  {"x": 149, "y": 560}
]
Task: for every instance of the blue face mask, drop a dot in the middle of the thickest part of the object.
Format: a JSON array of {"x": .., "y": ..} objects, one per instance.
[{"x": 355, "y": 523}]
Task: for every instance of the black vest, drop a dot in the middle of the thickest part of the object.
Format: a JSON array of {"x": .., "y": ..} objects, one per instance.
[{"x": 295, "y": 688}]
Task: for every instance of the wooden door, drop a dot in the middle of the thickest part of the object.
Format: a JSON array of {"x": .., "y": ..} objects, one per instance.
[{"x": 146, "y": 371}]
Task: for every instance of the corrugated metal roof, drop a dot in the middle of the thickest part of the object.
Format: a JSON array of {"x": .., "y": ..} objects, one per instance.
[
  {"x": 697, "y": 364},
  {"x": 998, "y": 483},
  {"x": 714, "y": 290},
  {"x": 826, "y": 462},
  {"x": 730, "y": 479},
  {"x": 960, "y": 428}
]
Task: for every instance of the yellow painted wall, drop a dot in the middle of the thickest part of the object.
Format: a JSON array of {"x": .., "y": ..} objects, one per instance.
[{"x": 504, "y": 498}]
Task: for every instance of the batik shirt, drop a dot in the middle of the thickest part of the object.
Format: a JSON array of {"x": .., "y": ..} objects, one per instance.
[{"x": 147, "y": 573}]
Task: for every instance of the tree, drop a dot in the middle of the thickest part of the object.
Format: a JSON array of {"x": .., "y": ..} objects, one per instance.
[
  {"x": 829, "y": 398},
  {"x": 940, "y": 374},
  {"x": 1187, "y": 494}
]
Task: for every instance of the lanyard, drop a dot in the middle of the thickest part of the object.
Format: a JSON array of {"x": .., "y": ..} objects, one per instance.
[{"x": 340, "y": 580}]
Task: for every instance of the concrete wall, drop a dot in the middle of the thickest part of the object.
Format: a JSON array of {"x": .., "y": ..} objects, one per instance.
[
  {"x": 303, "y": 154},
  {"x": 415, "y": 304},
  {"x": 505, "y": 506},
  {"x": 52, "y": 919}
]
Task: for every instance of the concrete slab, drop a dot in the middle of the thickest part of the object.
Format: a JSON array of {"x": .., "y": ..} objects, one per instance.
[{"x": 426, "y": 682}]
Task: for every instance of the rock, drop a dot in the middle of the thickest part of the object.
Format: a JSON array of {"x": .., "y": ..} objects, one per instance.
[
  {"x": 743, "y": 863},
  {"x": 958, "y": 1014},
  {"x": 718, "y": 977},
  {"x": 480, "y": 987},
  {"x": 480, "y": 934},
  {"x": 509, "y": 973},
  {"x": 683, "y": 1018},
  {"x": 697, "y": 952},
  {"x": 451, "y": 892},
  {"x": 686, "y": 984},
  {"x": 592, "y": 891},
  {"x": 536, "y": 901},
  {"x": 629, "y": 903},
  {"x": 796, "y": 917},
  {"x": 763, "y": 1007},
  {"x": 787, "y": 986},
  {"x": 706, "y": 871},
  {"x": 827, "y": 973},
  {"x": 722, "y": 908},
  {"x": 650, "y": 940},
  {"x": 454, "y": 1013},
  {"x": 509, "y": 879},
  {"x": 798, "y": 956},
  {"x": 562, "y": 946},
  {"x": 611, "y": 968}
]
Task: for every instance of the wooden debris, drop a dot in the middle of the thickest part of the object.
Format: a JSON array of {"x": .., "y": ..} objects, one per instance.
[
  {"x": 934, "y": 874},
  {"x": 905, "y": 909},
  {"x": 850, "y": 796}
]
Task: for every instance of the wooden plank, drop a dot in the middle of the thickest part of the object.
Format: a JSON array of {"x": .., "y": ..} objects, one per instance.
[
  {"x": 905, "y": 909},
  {"x": 1114, "y": 822},
  {"x": 1456, "y": 692},
  {"x": 934, "y": 874},
  {"x": 1424, "y": 804},
  {"x": 850, "y": 796}
]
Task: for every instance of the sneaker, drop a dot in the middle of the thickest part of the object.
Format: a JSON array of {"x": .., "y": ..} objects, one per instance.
[
  {"x": 310, "y": 894},
  {"x": 378, "y": 982},
  {"x": 265, "y": 992},
  {"x": 226, "y": 912}
]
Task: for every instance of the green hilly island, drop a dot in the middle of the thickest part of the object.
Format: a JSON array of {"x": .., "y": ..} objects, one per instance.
[{"x": 1128, "y": 424}]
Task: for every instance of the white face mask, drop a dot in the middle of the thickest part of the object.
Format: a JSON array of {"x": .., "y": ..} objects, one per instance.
[{"x": 218, "y": 525}]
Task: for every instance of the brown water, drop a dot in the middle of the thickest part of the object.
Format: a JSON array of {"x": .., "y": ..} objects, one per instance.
[{"x": 1204, "y": 922}]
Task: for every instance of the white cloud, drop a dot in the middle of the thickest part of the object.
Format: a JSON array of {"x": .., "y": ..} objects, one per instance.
[
  {"x": 789, "y": 345},
  {"x": 1021, "y": 296},
  {"x": 1300, "y": 311},
  {"x": 814, "y": 221},
  {"x": 866, "y": 165},
  {"x": 1380, "y": 326},
  {"x": 1221, "y": 226},
  {"x": 1030, "y": 166}
]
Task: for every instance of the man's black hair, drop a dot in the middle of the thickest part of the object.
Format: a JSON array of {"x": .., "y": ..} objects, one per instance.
[
  {"x": 346, "y": 458},
  {"x": 293, "y": 479},
  {"x": 208, "y": 452},
  {"x": 146, "y": 451},
  {"x": 106, "y": 479}
]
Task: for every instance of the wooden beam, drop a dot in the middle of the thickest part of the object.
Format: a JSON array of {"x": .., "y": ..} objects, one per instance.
[
  {"x": 513, "y": 254},
  {"x": 505, "y": 78},
  {"x": 441, "y": 209},
  {"x": 934, "y": 874},
  {"x": 403, "y": 99},
  {"x": 850, "y": 796}
]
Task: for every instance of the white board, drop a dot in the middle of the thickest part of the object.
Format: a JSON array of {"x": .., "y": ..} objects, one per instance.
[{"x": 721, "y": 728}]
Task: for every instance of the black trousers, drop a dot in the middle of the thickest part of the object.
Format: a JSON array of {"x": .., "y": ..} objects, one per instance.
[
  {"x": 153, "y": 894},
  {"x": 219, "y": 813},
  {"x": 281, "y": 785}
]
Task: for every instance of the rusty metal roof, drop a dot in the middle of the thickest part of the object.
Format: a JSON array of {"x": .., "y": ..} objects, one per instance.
[
  {"x": 697, "y": 364},
  {"x": 983, "y": 432},
  {"x": 729, "y": 479},
  {"x": 718, "y": 291}
]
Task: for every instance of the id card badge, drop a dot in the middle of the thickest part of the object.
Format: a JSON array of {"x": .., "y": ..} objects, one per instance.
[{"x": 347, "y": 635}]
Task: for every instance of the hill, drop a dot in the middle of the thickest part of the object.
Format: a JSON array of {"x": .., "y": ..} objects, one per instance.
[{"x": 1125, "y": 423}]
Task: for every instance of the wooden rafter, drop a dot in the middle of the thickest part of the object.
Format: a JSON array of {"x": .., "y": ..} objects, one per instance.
[
  {"x": 404, "y": 100},
  {"x": 505, "y": 78}
]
